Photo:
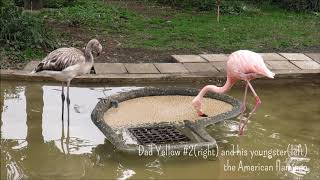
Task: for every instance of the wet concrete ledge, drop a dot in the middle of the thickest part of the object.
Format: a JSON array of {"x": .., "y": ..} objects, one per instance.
[
  {"x": 291, "y": 67},
  {"x": 281, "y": 76}
]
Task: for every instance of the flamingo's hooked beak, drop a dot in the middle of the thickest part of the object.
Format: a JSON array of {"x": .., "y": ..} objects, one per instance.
[
  {"x": 204, "y": 115},
  {"x": 201, "y": 114},
  {"x": 99, "y": 50}
]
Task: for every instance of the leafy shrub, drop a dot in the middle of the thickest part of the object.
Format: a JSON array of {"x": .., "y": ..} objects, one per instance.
[
  {"x": 202, "y": 5},
  {"x": 293, "y": 5},
  {"x": 227, "y": 6},
  {"x": 19, "y": 3},
  {"x": 238, "y": 6},
  {"x": 299, "y": 5},
  {"x": 49, "y": 3},
  {"x": 57, "y": 3},
  {"x": 21, "y": 30}
]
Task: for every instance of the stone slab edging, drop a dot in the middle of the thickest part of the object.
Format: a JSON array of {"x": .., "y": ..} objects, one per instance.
[
  {"x": 293, "y": 75},
  {"x": 189, "y": 68}
]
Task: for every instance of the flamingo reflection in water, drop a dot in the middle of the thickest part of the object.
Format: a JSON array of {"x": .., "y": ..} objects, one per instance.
[{"x": 64, "y": 64}]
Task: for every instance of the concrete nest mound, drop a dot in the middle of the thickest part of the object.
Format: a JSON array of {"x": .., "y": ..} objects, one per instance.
[{"x": 146, "y": 117}]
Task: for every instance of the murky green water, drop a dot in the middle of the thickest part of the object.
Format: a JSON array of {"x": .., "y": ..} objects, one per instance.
[{"x": 36, "y": 143}]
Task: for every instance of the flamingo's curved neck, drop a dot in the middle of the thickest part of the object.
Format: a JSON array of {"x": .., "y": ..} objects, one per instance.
[
  {"x": 212, "y": 88},
  {"x": 88, "y": 54}
]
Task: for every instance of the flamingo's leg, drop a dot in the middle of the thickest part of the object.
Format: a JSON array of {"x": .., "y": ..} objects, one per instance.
[
  {"x": 68, "y": 110},
  {"x": 243, "y": 105},
  {"x": 62, "y": 118},
  {"x": 62, "y": 99},
  {"x": 68, "y": 99},
  {"x": 68, "y": 131},
  {"x": 258, "y": 102}
]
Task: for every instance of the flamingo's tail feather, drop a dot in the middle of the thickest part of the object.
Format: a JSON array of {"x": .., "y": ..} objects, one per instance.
[
  {"x": 269, "y": 74},
  {"x": 263, "y": 70}
]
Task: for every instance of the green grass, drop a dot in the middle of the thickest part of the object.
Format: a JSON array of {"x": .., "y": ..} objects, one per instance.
[
  {"x": 263, "y": 30},
  {"x": 93, "y": 14},
  {"x": 274, "y": 30}
]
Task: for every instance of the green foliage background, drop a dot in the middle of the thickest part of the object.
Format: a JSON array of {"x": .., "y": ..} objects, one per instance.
[
  {"x": 22, "y": 35},
  {"x": 231, "y": 6}
]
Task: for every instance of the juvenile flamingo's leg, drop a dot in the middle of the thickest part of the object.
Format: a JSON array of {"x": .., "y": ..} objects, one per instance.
[
  {"x": 68, "y": 120},
  {"x": 243, "y": 105},
  {"x": 68, "y": 99},
  {"x": 62, "y": 99},
  {"x": 258, "y": 102},
  {"x": 68, "y": 132},
  {"x": 62, "y": 117}
]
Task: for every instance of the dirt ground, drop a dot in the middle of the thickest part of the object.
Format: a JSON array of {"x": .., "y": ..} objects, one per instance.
[{"x": 113, "y": 51}]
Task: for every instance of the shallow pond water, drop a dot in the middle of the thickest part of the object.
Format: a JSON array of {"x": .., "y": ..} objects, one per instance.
[{"x": 36, "y": 143}]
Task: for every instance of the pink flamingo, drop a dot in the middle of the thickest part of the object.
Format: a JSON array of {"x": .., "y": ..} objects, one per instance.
[{"x": 241, "y": 65}]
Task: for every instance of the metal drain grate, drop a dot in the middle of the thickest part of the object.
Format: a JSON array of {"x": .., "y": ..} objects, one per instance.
[{"x": 158, "y": 135}]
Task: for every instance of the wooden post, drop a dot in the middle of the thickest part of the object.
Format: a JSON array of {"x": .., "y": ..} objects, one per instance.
[
  {"x": 218, "y": 10},
  {"x": 2, "y": 90},
  {"x": 33, "y": 4}
]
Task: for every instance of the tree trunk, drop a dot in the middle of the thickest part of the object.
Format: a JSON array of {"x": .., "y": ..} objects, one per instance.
[{"x": 33, "y": 4}]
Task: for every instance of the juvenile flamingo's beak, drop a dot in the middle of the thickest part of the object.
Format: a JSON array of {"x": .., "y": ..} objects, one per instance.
[{"x": 99, "y": 50}]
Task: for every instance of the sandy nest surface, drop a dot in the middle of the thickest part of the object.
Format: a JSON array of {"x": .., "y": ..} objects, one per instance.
[{"x": 155, "y": 109}]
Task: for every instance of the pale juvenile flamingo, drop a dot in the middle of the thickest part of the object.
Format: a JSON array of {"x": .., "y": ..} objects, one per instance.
[
  {"x": 241, "y": 65},
  {"x": 64, "y": 64}
]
